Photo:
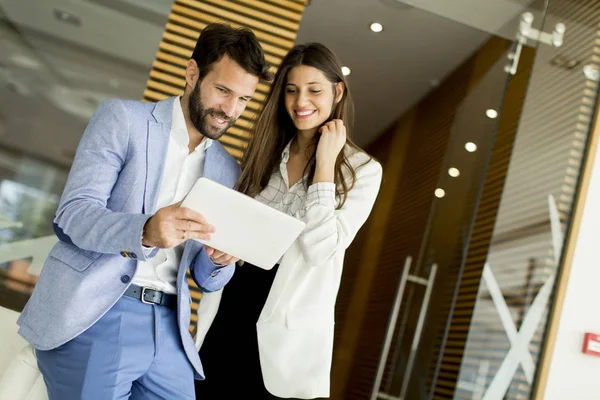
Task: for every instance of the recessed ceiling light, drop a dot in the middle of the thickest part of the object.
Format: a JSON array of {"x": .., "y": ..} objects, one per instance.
[
  {"x": 471, "y": 147},
  {"x": 67, "y": 17},
  {"x": 439, "y": 193},
  {"x": 491, "y": 113},
  {"x": 346, "y": 71},
  {"x": 376, "y": 27},
  {"x": 453, "y": 172}
]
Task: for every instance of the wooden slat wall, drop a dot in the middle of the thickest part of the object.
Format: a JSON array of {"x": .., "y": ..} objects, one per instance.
[
  {"x": 512, "y": 218},
  {"x": 363, "y": 256},
  {"x": 275, "y": 24},
  {"x": 409, "y": 189},
  {"x": 546, "y": 159},
  {"x": 482, "y": 232},
  {"x": 402, "y": 233}
]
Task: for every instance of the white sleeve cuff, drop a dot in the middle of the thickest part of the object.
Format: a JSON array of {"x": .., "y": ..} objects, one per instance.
[{"x": 321, "y": 193}]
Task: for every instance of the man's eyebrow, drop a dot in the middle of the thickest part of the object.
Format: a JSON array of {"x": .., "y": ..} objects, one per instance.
[{"x": 246, "y": 96}]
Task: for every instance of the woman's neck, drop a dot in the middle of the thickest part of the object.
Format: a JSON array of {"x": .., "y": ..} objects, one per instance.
[{"x": 303, "y": 142}]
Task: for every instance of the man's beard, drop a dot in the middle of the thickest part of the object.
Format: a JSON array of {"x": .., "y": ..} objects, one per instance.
[{"x": 199, "y": 116}]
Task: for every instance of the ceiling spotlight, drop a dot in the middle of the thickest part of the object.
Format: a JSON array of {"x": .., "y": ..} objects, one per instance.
[
  {"x": 471, "y": 147},
  {"x": 346, "y": 71},
  {"x": 376, "y": 27},
  {"x": 67, "y": 17},
  {"x": 439, "y": 193},
  {"x": 453, "y": 172},
  {"x": 491, "y": 113}
]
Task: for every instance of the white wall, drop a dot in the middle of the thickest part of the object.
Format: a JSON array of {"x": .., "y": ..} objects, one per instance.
[{"x": 574, "y": 375}]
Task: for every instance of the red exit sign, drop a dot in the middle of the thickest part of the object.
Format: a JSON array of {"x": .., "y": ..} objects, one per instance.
[{"x": 591, "y": 344}]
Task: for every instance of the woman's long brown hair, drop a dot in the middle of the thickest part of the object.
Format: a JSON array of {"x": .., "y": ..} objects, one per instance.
[{"x": 274, "y": 127}]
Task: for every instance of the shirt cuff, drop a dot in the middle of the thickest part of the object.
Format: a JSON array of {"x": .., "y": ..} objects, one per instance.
[
  {"x": 215, "y": 264},
  {"x": 148, "y": 251},
  {"x": 321, "y": 193}
]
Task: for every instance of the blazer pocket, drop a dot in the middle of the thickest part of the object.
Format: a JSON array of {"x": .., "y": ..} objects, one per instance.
[
  {"x": 306, "y": 318},
  {"x": 74, "y": 257}
]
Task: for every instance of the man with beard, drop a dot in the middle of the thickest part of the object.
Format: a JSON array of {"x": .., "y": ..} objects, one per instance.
[{"x": 109, "y": 316}]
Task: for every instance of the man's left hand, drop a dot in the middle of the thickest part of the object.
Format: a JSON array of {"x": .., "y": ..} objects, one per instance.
[{"x": 220, "y": 258}]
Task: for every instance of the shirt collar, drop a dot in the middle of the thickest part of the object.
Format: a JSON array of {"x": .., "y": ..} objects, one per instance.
[
  {"x": 285, "y": 155},
  {"x": 179, "y": 129}
]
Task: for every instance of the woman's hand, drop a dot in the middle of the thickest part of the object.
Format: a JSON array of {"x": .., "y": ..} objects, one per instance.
[{"x": 331, "y": 142}]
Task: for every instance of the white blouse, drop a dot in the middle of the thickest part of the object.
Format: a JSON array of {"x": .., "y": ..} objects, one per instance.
[{"x": 294, "y": 200}]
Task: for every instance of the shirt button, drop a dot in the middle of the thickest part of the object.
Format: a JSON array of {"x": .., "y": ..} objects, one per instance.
[{"x": 125, "y": 278}]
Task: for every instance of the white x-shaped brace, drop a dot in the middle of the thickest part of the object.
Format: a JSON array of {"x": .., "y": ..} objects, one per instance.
[{"x": 520, "y": 340}]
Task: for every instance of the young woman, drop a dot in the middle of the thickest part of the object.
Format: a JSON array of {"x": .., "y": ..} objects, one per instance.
[{"x": 273, "y": 334}]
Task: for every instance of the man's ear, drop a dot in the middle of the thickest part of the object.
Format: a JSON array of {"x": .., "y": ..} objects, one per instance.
[
  {"x": 191, "y": 74},
  {"x": 339, "y": 91}
]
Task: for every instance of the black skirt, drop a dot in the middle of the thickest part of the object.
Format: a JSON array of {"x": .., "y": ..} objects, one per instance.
[{"x": 230, "y": 351}]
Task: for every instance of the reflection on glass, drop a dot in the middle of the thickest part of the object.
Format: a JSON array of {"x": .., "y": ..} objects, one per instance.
[
  {"x": 29, "y": 208},
  {"x": 50, "y": 84},
  {"x": 29, "y": 195},
  {"x": 515, "y": 293}
]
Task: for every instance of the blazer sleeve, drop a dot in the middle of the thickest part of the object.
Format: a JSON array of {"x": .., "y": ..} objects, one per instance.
[
  {"x": 208, "y": 276},
  {"x": 329, "y": 230},
  {"x": 82, "y": 218}
]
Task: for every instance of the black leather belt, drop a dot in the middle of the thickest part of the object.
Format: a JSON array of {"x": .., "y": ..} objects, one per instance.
[{"x": 151, "y": 296}]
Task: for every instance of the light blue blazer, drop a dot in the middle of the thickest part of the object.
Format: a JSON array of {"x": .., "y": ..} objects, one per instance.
[{"x": 111, "y": 192}]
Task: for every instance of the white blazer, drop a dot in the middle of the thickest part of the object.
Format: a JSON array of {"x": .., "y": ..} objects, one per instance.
[{"x": 296, "y": 326}]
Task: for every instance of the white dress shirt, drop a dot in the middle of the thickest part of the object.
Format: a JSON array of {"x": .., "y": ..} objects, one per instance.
[{"x": 181, "y": 171}]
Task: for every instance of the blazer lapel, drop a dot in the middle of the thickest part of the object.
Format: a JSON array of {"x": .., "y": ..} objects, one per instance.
[
  {"x": 214, "y": 164},
  {"x": 191, "y": 248},
  {"x": 156, "y": 152}
]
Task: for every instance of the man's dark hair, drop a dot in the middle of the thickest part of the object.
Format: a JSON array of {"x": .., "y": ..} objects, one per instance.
[{"x": 239, "y": 44}]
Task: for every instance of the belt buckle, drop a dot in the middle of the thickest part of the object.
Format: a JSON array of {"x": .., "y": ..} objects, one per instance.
[{"x": 143, "y": 299}]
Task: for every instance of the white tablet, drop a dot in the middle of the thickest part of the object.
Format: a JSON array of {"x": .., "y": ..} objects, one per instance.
[{"x": 245, "y": 228}]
